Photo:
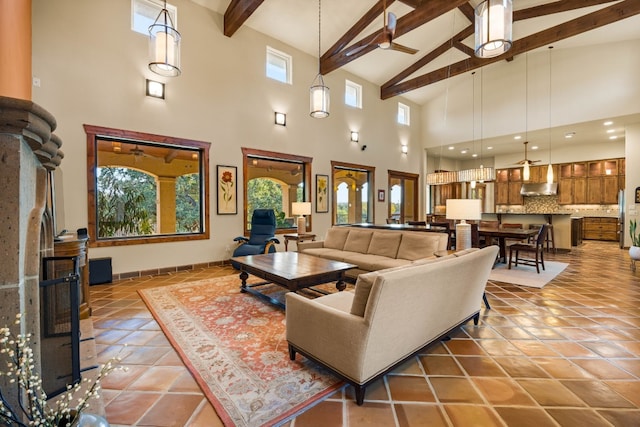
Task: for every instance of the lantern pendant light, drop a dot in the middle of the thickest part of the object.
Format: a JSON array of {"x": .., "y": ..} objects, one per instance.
[
  {"x": 164, "y": 45},
  {"x": 319, "y": 93},
  {"x": 493, "y": 28}
]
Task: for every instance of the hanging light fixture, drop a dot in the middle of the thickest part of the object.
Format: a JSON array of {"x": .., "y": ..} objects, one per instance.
[
  {"x": 319, "y": 93},
  {"x": 525, "y": 169},
  {"x": 493, "y": 28},
  {"x": 549, "y": 168},
  {"x": 164, "y": 45}
]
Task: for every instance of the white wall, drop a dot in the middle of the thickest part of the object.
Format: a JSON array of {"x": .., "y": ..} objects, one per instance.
[
  {"x": 632, "y": 151},
  {"x": 92, "y": 69}
]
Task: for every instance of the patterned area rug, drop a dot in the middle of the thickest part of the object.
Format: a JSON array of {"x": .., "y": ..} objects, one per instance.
[
  {"x": 526, "y": 275},
  {"x": 235, "y": 346}
]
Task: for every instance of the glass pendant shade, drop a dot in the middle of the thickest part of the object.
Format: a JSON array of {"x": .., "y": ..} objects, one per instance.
[
  {"x": 493, "y": 28},
  {"x": 550, "y": 174},
  {"x": 319, "y": 99},
  {"x": 525, "y": 172},
  {"x": 164, "y": 46}
]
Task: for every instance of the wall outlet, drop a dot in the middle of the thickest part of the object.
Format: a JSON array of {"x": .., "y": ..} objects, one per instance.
[{"x": 36, "y": 81}]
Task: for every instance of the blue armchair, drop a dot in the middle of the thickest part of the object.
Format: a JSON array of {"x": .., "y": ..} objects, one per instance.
[{"x": 262, "y": 238}]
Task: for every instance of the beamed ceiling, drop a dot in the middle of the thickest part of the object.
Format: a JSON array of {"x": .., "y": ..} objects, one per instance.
[{"x": 441, "y": 31}]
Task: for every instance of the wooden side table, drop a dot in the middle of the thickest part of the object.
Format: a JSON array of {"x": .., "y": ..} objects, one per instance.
[{"x": 298, "y": 238}]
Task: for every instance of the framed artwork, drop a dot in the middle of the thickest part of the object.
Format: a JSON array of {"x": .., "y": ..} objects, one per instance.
[
  {"x": 381, "y": 195},
  {"x": 227, "y": 203},
  {"x": 637, "y": 194},
  {"x": 322, "y": 193}
]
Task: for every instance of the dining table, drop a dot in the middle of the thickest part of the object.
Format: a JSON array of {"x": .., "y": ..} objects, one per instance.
[{"x": 502, "y": 234}]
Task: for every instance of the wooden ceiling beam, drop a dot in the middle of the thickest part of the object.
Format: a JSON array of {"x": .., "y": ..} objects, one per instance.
[
  {"x": 412, "y": 20},
  {"x": 237, "y": 13},
  {"x": 597, "y": 19}
]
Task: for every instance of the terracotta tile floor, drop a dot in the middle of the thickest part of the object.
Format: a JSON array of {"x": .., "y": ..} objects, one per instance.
[{"x": 564, "y": 355}]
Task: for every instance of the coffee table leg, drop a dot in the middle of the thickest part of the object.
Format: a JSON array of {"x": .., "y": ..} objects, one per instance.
[
  {"x": 341, "y": 285},
  {"x": 243, "y": 276}
]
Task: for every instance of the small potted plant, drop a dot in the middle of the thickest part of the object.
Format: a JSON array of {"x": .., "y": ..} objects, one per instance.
[{"x": 634, "y": 250}]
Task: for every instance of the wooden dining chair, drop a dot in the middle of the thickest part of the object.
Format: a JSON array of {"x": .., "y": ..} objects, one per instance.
[
  {"x": 536, "y": 248},
  {"x": 513, "y": 225}
]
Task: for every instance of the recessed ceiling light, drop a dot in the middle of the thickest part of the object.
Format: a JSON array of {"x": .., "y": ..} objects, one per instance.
[
  {"x": 474, "y": 155},
  {"x": 465, "y": 151},
  {"x": 517, "y": 137},
  {"x": 451, "y": 148},
  {"x": 608, "y": 123},
  {"x": 613, "y": 137},
  {"x": 535, "y": 147},
  {"x": 489, "y": 148},
  {"x": 569, "y": 135},
  {"x": 611, "y": 130}
]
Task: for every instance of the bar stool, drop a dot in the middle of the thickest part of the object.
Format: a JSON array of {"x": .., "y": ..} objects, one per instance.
[{"x": 549, "y": 241}]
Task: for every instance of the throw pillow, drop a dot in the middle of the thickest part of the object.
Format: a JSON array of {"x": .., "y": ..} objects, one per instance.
[
  {"x": 363, "y": 289},
  {"x": 385, "y": 244},
  {"x": 358, "y": 241},
  {"x": 417, "y": 245},
  {"x": 335, "y": 238}
]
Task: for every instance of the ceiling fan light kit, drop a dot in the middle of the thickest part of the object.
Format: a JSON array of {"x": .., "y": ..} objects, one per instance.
[
  {"x": 493, "y": 28},
  {"x": 164, "y": 45}
]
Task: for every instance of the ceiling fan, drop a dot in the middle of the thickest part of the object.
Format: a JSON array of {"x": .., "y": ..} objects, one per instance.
[
  {"x": 526, "y": 161},
  {"x": 384, "y": 40}
]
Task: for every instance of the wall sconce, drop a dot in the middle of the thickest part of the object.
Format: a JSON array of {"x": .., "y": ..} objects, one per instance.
[
  {"x": 404, "y": 149},
  {"x": 155, "y": 89},
  {"x": 280, "y": 119},
  {"x": 355, "y": 136}
]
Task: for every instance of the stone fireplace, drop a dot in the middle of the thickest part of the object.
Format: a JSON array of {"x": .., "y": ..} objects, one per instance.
[{"x": 29, "y": 152}]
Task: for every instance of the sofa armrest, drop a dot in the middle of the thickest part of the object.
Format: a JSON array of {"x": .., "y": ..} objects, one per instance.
[
  {"x": 327, "y": 334},
  {"x": 310, "y": 244}
]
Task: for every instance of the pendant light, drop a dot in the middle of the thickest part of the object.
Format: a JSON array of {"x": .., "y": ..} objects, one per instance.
[
  {"x": 549, "y": 168},
  {"x": 493, "y": 28},
  {"x": 164, "y": 45},
  {"x": 319, "y": 93},
  {"x": 525, "y": 169}
]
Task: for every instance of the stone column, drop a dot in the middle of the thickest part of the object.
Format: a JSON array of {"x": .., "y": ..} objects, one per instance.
[
  {"x": 166, "y": 207},
  {"x": 27, "y": 150}
]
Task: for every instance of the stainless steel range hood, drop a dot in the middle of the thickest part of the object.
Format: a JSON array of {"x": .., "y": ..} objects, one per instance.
[{"x": 539, "y": 189}]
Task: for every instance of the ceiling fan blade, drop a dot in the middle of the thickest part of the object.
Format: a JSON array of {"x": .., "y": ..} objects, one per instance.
[
  {"x": 391, "y": 24},
  {"x": 404, "y": 49}
]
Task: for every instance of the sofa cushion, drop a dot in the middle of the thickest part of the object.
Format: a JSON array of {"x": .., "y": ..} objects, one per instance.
[
  {"x": 417, "y": 245},
  {"x": 358, "y": 241},
  {"x": 336, "y": 237},
  {"x": 385, "y": 244},
  {"x": 363, "y": 288}
]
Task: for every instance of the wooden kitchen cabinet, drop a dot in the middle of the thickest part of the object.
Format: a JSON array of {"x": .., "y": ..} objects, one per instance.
[
  {"x": 515, "y": 198},
  {"x": 502, "y": 175},
  {"x": 565, "y": 191},
  {"x": 610, "y": 189},
  {"x": 579, "y": 191},
  {"x": 501, "y": 193},
  {"x": 600, "y": 229}
]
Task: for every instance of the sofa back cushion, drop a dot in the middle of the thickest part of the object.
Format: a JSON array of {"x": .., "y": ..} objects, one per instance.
[
  {"x": 336, "y": 237},
  {"x": 418, "y": 245},
  {"x": 385, "y": 244},
  {"x": 358, "y": 241}
]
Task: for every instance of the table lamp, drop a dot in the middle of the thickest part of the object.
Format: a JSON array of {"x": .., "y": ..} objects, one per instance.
[
  {"x": 464, "y": 209},
  {"x": 301, "y": 209}
]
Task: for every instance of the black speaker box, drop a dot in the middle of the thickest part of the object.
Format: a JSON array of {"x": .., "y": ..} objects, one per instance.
[{"x": 100, "y": 271}]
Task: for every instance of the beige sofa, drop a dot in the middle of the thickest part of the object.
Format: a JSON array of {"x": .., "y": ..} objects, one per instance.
[
  {"x": 375, "y": 249},
  {"x": 390, "y": 317}
]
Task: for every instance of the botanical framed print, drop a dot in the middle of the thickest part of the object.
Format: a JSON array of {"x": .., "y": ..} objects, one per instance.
[
  {"x": 227, "y": 203},
  {"x": 322, "y": 193},
  {"x": 381, "y": 195}
]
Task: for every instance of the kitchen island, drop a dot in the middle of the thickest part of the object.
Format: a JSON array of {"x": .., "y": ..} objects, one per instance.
[{"x": 561, "y": 222}]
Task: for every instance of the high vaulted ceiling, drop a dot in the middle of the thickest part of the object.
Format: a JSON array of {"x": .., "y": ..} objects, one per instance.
[{"x": 441, "y": 30}]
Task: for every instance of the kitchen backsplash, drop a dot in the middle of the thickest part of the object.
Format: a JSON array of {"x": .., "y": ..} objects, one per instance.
[{"x": 549, "y": 204}]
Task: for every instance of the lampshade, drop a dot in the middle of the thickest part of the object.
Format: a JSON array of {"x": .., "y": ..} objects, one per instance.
[
  {"x": 464, "y": 209},
  {"x": 526, "y": 172},
  {"x": 301, "y": 208},
  {"x": 164, "y": 45},
  {"x": 493, "y": 28}
]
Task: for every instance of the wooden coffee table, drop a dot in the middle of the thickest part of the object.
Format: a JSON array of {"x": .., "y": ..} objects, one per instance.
[{"x": 291, "y": 270}]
